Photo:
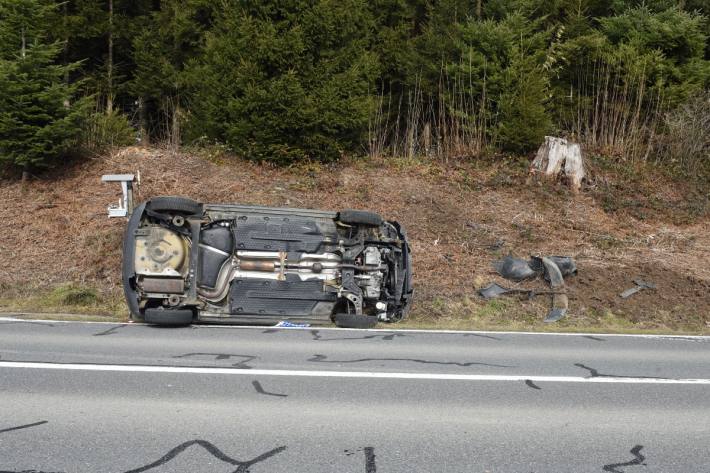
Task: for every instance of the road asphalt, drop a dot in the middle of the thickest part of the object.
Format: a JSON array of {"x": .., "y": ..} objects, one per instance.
[{"x": 100, "y": 398}]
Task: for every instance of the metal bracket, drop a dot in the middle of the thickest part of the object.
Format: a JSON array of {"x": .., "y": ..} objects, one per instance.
[{"x": 124, "y": 207}]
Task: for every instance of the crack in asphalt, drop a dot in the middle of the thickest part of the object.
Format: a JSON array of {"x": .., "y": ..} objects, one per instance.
[
  {"x": 26, "y": 426},
  {"x": 387, "y": 337},
  {"x": 481, "y": 336},
  {"x": 370, "y": 466},
  {"x": 529, "y": 383},
  {"x": 260, "y": 390},
  {"x": 636, "y": 452},
  {"x": 225, "y": 356},
  {"x": 592, "y": 337},
  {"x": 392, "y": 335},
  {"x": 593, "y": 373},
  {"x": 317, "y": 358},
  {"x": 111, "y": 331},
  {"x": 242, "y": 466}
]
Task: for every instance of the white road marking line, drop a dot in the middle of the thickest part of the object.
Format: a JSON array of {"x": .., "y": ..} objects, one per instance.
[
  {"x": 383, "y": 330},
  {"x": 479, "y": 332},
  {"x": 341, "y": 374}
]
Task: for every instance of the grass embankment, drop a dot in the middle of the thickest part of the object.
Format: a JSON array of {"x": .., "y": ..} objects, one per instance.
[
  {"x": 62, "y": 254},
  {"x": 76, "y": 303}
]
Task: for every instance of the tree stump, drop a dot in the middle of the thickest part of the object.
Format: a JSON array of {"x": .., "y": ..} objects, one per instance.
[{"x": 558, "y": 158}]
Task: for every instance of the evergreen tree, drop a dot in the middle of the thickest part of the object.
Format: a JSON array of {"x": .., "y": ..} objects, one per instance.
[
  {"x": 287, "y": 80},
  {"x": 676, "y": 36},
  {"x": 501, "y": 67},
  {"x": 39, "y": 119},
  {"x": 299, "y": 79},
  {"x": 162, "y": 52}
]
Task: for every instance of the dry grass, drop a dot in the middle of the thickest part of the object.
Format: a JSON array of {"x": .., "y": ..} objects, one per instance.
[
  {"x": 63, "y": 299},
  {"x": 460, "y": 217}
]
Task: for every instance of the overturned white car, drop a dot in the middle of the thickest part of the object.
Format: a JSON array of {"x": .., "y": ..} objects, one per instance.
[{"x": 186, "y": 261}]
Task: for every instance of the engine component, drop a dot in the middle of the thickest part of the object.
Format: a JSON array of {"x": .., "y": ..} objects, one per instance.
[
  {"x": 159, "y": 252},
  {"x": 371, "y": 281},
  {"x": 371, "y": 256},
  {"x": 370, "y": 284}
]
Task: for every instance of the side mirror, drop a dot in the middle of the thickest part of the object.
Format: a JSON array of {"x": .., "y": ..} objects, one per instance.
[{"x": 124, "y": 207}]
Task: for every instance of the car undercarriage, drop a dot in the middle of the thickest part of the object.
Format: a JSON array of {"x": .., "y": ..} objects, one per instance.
[{"x": 185, "y": 261}]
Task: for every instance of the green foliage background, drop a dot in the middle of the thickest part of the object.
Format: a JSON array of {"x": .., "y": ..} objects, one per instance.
[{"x": 289, "y": 80}]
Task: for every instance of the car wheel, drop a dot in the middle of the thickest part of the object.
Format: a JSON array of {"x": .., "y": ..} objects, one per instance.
[
  {"x": 360, "y": 217},
  {"x": 127, "y": 270},
  {"x": 175, "y": 204},
  {"x": 169, "y": 317},
  {"x": 355, "y": 321}
]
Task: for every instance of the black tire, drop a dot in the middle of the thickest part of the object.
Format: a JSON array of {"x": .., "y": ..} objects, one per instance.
[
  {"x": 127, "y": 270},
  {"x": 169, "y": 317},
  {"x": 175, "y": 205},
  {"x": 355, "y": 321},
  {"x": 360, "y": 217}
]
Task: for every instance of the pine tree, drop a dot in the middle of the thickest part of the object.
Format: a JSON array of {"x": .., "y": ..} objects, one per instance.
[
  {"x": 284, "y": 81},
  {"x": 161, "y": 53},
  {"x": 39, "y": 120}
]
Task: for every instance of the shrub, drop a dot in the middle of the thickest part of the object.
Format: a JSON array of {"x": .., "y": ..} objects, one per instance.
[
  {"x": 686, "y": 143},
  {"x": 104, "y": 131}
]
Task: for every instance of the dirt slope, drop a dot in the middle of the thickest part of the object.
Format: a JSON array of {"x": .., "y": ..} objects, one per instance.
[{"x": 460, "y": 218}]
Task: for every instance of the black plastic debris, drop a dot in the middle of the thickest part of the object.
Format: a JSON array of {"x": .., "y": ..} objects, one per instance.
[
  {"x": 515, "y": 269},
  {"x": 560, "y": 301},
  {"x": 565, "y": 264},
  {"x": 553, "y": 268},
  {"x": 494, "y": 290},
  {"x": 640, "y": 286}
]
